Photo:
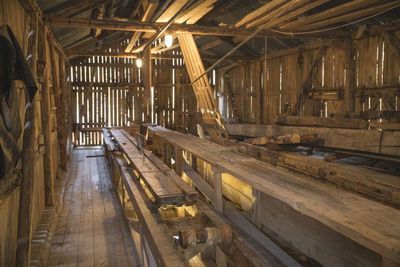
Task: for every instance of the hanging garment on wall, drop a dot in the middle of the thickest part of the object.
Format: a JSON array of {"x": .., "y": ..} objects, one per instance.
[{"x": 13, "y": 70}]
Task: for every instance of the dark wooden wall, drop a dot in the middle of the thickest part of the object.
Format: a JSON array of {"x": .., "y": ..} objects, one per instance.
[{"x": 355, "y": 76}]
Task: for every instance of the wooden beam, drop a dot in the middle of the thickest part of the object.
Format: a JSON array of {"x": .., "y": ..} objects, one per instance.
[
  {"x": 98, "y": 13},
  {"x": 75, "y": 8},
  {"x": 350, "y": 77},
  {"x": 146, "y": 17},
  {"x": 220, "y": 8},
  {"x": 163, "y": 190},
  {"x": 318, "y": 202},
  {"x": 322, "y": 122},
  {"x": 136, "y": 55},
  {"x": 195, "y": 12},
  {"x": 308, "y": 82},
  {"x": 259, "y": 12},
  {"x": 362, "y": 140},
  {"x": 238, "y": 220},
  {"x": 296, "y": 10},
  {"x": 393, "y": 41},
  {"x": 201, "y": 88},
  {"x": 134, "y": 25},
  {"x": 157, "y": 234},
  {"x": 329, "y": 13},
  {"x": 211, "y": 44},
  {"x": 350, "y": 16},
  {"x": 171, "y": 10},
  {"x": 147, "y": 81}
]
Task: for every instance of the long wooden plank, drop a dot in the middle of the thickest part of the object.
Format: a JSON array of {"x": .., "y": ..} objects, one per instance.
[
  {"x": 146, "y": 17},
  {"x": 259, "y": 12},
  {"x": 322, "y": 122},
  {"x": 329, "y": 13},
  {"x": 164, "y": 191},
  {"x": 351, "y": 16},
  {"x": 370, "y": 141},
  {"x": 355, "y": 217},
  {"x": 241, "y": 222},
  {"x": 133, "y": 26},
  {"x": 189, "y": 193},
  {"x": 201, "y": 88},
  {"x": 157, "y": 235}
]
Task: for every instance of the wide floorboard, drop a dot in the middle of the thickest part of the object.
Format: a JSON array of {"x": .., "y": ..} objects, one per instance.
[{"x": 91, "y": 230}]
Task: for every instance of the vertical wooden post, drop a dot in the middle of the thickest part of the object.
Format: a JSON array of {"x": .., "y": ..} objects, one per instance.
[
  {"x": 179, "y": 161},
  {"x": 26, "y": 192},
  {"x": 350, "y": 78},
  {"x": 178, "y": 102},
  {"x": 256, "y": 208},
  {"x": 23, "y": 249},
  {"x": 258, "y": 89},
  {"x": 219, "y": 205},
  {"x": 46, "y": 115},
  {"x": 147, "y": 82},
  {"x": 167, "y": 154},
  {"x": 220, "y": 257},
  {"x": 265, "y": 79}
]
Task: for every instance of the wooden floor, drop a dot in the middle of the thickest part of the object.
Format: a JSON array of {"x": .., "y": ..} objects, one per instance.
[{"x": 91, "y": 230}]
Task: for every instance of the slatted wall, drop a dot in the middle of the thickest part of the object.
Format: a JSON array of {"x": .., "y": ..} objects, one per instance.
[
  {"x": 376, "y": 82},
  {"x": 108, "y": 92}
]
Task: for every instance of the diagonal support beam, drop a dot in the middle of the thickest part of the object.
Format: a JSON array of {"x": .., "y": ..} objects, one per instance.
[{"x": 201, "y": 88}]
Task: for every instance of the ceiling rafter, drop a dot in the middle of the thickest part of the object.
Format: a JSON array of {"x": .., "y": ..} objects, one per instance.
[{"x": 134, "y": 25}]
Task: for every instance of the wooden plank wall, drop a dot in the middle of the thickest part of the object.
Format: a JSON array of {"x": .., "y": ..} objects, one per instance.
[
  {"x": 13, "y": 14},
  {"x": 23, "y": 17},
  {"x": 114, "y": 95},
  {"x": 376, "y": 81}
]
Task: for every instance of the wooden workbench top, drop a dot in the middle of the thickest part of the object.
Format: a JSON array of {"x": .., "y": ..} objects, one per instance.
[{"x": 369, "y": 223}]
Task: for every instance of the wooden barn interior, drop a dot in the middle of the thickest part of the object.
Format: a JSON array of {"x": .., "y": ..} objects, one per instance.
[{"x": 200, "y": 133}]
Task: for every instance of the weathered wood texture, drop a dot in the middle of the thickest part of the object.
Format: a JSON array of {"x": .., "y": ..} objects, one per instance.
[
  {"x": 350, "y": 217},
  {"x": 339, "y": 84},
  {"x": 91, "y": 229},
  {"x": 202, "y": 89},
  {"x": 163, "y": 190},
  {"x": 26, "y": 22},
  {"x": 372, "y": 141},
  {"x": 114, "y": 95}
]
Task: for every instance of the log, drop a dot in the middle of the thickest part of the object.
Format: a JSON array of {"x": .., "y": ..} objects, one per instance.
[{"x": 322, "y": 122}]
